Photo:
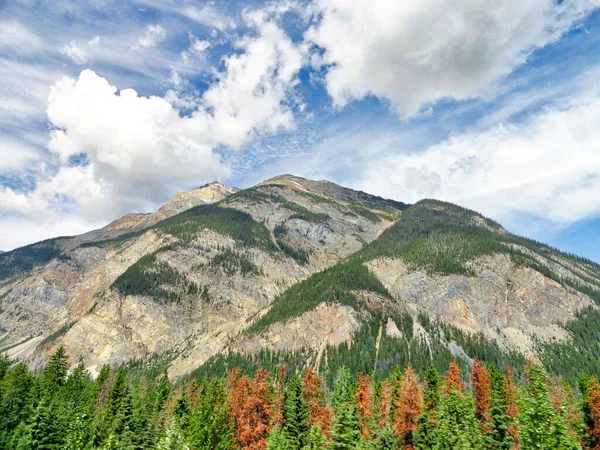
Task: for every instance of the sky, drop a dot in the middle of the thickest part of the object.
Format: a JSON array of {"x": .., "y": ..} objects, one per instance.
[{"x": 109, "y": 107}]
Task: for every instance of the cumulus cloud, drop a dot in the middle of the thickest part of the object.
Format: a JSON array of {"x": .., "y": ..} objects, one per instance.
[
  {"x": 252, "y": 92},
  {"x": 118, "y": 151},
  {"x": 74, "y": 53},
  {"x": 415, "y": 53},
  {"x": 548, "y": 167},
  {"x": 154, "y": 35}
]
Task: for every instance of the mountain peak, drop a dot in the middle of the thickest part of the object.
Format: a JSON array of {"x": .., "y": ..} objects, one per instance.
[{"x": 208, "y": 193}]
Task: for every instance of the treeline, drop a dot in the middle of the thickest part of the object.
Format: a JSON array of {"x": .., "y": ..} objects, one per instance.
[{"x": 295, "y": 410}]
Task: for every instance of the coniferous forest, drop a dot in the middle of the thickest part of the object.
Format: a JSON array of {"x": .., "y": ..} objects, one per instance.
[{"x": 123, "y": 408}]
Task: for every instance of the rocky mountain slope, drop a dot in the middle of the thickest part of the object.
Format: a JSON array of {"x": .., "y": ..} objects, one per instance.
[{"x": 298, "y": 271}]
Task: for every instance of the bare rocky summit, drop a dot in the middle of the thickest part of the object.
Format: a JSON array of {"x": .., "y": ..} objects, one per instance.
[{"x": 293, "y": 267}]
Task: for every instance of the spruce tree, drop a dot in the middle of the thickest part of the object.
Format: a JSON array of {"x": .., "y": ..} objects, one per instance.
[
  {"x": 55, "y": 373},
  {"x": 345, "y": 434},
  {"x": 296, "y": 414},
  {"x": 277, "y": 440},
  {"x": 315, "y": 440},
  {"x": 500, "y": 420},
  {"x": 427, "y": 423},
  {"x": 540, "y": 427}
]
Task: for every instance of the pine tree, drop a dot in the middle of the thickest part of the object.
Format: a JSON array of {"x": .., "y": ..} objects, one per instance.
[
  {"x": 592, "y": 408},
  {"x": 16, "y": 400},
  {"x": 319, "y": 413},
  {"x": 512, "y": 408},
  {"x": 384, "y": 403},
  {"x": 296, "y": 414},
  {"x": 364, "y": 405},
  {"x": 408, "y": 410},
  {"x": 251, "y": 408},
  {"x": 482, "y": 383},
  {"x": 210, "y": 425}
]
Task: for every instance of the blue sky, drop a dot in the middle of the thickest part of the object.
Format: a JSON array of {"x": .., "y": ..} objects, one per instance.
[{"x": 109, "y": 107}]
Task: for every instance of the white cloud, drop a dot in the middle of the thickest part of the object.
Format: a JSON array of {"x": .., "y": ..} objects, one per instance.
[
  {"x": 415, "y": 53},
  {"x": 548, "y": 167},
  {"x": 253, "y": 91},
  {"x": 139, "y": 150},
  {"x": 19, "y": 232},
  {"x": 94, "y": 42},
  {"x": 206, "y": 15},
  {"x": 74, "y": 53},
  {"x": 154, "y": 35},
  {"x": 196, "y": 49},
  {"x": 16, "y": 38}
]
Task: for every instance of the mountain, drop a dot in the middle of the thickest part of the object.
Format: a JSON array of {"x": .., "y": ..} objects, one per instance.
[{"x": 295, "y": 271}]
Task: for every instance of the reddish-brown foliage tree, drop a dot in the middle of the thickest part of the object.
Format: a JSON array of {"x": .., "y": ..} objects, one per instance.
[
  {"x": 409, "y": 408},
  {"x": 512, "y": 409},
  {"x": 364, "y": 403},
  {"x": 279, "y": 401},
  {"x": 593, "y": 403},
  {"x": 319, "y": 413},
  {"x": 251, "y": 408},
  {"x": 385, "y": 403},
  {"x": 560, "y": 395},
  {"x": 482, "y": 384},
  {"x": 452, "y": 379}
]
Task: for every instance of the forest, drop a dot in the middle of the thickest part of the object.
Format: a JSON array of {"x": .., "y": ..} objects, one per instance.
[{"x": 482, "y": 407}]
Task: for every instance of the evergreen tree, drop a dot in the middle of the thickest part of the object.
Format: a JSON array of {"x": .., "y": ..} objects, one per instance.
[
  {"x": 427, "y": 423},
  {"x": 43, "y": 432},
  {"x": 319, "y": 413},
  {"x": 364, "y": 404},
  {"x": 500, "y": 420},
  {"x": 277, "y": 440},
  {"x": 345, "y": 434},
  {"x": 591, "y": 388},
  {"x": 55, "y": 373},
  {"x": 210, "y": 425},
  {"x": 342, "y": 390},
  {"x": 315, "y": 440},
  {"x": 295, "y": 428},
  {"x": 16, "y": 400},
  {"x": 408, "y": 410},
  {"x": 539, "y": 425}
]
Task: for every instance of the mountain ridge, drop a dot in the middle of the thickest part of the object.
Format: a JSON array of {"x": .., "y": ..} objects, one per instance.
[{"x": 301, "y": 267}]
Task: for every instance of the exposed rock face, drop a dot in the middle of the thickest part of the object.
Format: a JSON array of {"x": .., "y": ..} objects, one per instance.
[
  {"x": 220, "y": 278},
  {"x": 501, "y": 295},
  {"x": 103, "y": 326}
]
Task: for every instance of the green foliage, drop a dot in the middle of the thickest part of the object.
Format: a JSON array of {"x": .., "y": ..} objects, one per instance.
[
  {"x": 457, "y": 427},
  {"x": 443, "y": 238},
  {"x": 296, "y": 427},
  {"x": 346, "y": 429},
  {"x": 581, "y": 353},
  {"x": 23, "y": 259},
  {"x": 298, "y": 255},
  {"x": 157, "y": 279},
  {"x": 331, "y": 285},
  {"x": 539, "y": 426},
  {"x": 258, "y": 195},
  {"x": 227, "y": 221},
  {"x": 232, "y": 262}
]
